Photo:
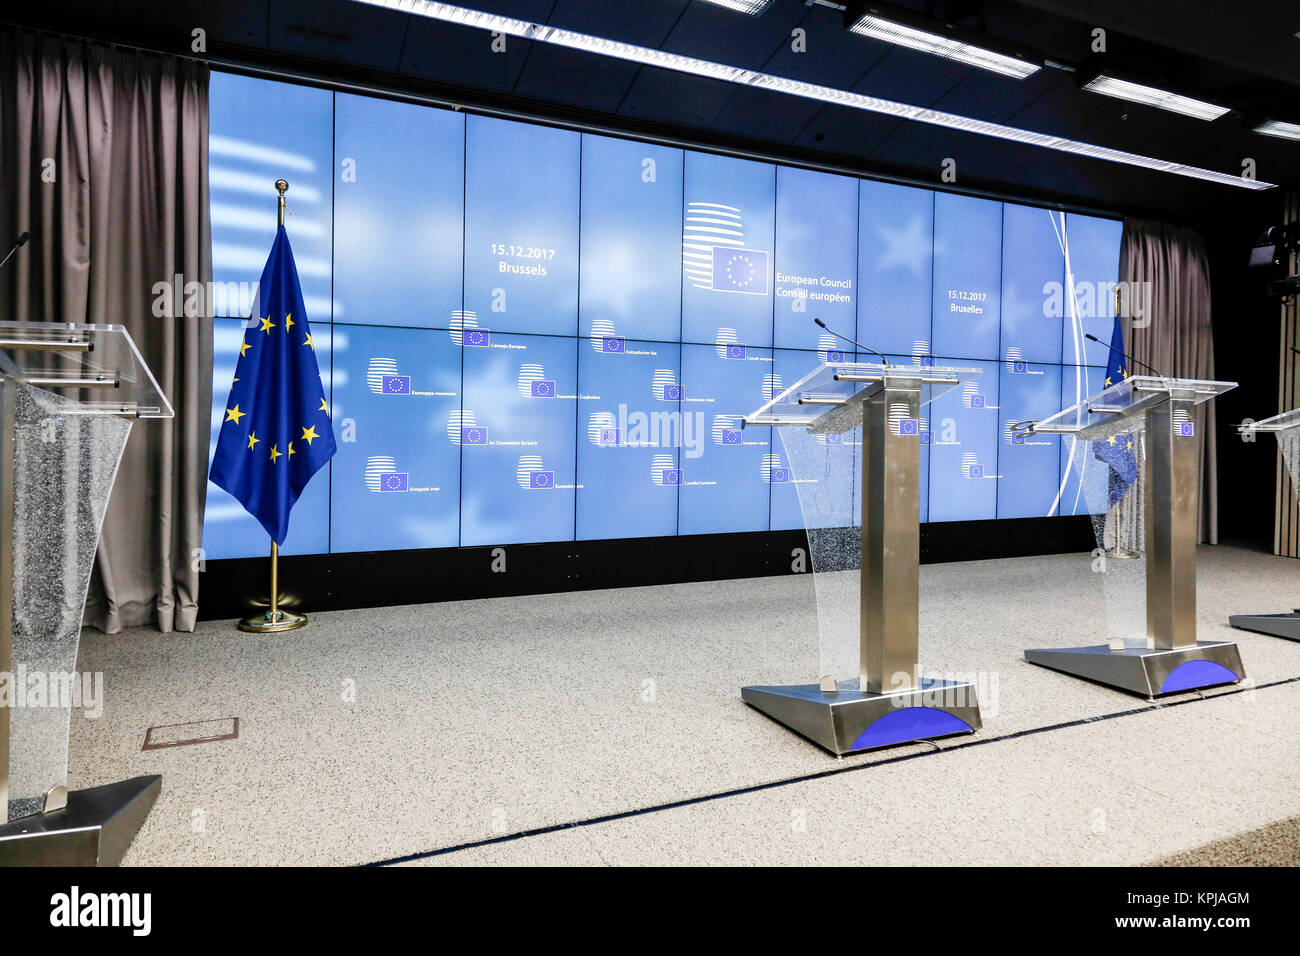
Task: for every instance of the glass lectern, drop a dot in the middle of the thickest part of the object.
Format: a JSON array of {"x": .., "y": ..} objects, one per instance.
[
  {"x": 69, "y": 395},
  {"x": 843, "y": 426},
  {"x": 1158, "y": 416},
  {"x": 1287, "y": 429}
]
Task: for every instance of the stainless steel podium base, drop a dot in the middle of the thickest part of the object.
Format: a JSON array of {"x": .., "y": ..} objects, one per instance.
[
  {"x": 846, "y": 721},
  {"x": 1145, "y": 671},
  {"x": 94, "y": 829},
  {"x": 1279, "y": 625}
]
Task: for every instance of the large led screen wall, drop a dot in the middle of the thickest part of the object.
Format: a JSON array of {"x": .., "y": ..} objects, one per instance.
[{"x": 533, "y": 334}]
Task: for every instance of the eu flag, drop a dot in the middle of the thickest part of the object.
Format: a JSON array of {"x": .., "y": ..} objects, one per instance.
[
  {"x": 276, "y": 433},
  {"x": 1117, "y": 450}
]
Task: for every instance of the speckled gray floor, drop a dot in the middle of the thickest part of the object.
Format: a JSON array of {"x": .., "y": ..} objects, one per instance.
[{"x": 475, "y": 720}]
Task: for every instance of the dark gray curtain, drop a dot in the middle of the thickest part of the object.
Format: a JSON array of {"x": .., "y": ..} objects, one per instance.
[
  {"x": 1172, "y": 263},
  {"x": 104, "y": 158}
]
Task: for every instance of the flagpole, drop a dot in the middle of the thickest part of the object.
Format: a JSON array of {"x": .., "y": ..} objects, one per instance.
[{"x": 274, "y": 619}]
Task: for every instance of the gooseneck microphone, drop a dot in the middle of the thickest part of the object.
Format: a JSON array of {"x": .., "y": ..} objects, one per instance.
[
  {"x": 22, "y": 241},
  {"x": 1124, "y": 354},
  {"x": 851, "y": 341}
]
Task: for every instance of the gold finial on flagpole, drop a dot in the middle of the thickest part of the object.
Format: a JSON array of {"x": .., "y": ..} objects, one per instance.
[{"x": 275, "y": 619}]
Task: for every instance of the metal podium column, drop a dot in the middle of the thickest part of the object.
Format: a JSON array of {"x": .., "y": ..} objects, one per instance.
[
  {"x": 891, "y": 541},
  {"x": 1171, "y": 525}
]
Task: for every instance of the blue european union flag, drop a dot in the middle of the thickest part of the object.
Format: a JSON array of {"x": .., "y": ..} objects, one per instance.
[
  {"x": 739, "y": 270},
  {"x": 1117, "y": 450},
  {"x": 266, "y": 462}
]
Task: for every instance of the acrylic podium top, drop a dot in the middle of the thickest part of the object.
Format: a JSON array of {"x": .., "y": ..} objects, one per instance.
[
  {"x": 97, "y": 368},
  {"x": 1278, "y": 423},
  {"x": 1113, "y": 409},
  {"x": 829, "y": 398}
]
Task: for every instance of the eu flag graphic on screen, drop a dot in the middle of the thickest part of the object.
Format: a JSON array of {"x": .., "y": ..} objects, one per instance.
[
  {"x": 276, "y": 433},
  {"x": 1117, "y": 450}
]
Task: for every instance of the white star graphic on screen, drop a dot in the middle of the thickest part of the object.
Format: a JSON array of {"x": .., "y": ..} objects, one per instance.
[{"x": 907, "y": 247}]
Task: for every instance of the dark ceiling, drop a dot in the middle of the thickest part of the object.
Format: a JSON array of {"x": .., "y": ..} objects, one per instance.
[{"x": 1248, "y": 60}]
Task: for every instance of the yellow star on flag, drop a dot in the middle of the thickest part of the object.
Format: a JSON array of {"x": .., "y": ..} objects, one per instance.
[
  {"x": 309, "y": 342},
  {"x": 234, "y": 414},
  {"x": 275, "y": 453},
  {"x": 243, "y": 347},
  {"x": 267, "y": 325},
  {"x": 323, "y": 407},
  {"x": 253, "y": 440},
  {"x": 309, "y": 434},
  {"x": 288, "y": 321},
  {"x": 291, "y": 451}
]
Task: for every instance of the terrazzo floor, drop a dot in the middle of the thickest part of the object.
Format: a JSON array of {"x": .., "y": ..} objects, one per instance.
[{"x": 606, "y": 727}]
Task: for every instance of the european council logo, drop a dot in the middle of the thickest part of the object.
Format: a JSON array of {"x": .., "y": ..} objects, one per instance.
[
  {"x": 900, "y": 421},
  {"x": 728, "y": 345},
  {"x": 605, "y": 340},
  {"x": 463, "y": 428},
  {"x": 921, "y": 354},
  {"x": 714, "y": 256},
  {"x": 664, "y": 385},
  {"x": 533, "y": 383},
  {"x": 603, "y": 430},
  {"x": 726, "y": 430},
  {"x": 382, "y": 378},
  {"x": 664, "y": 472},
  {"x": 465, "y": 331},
  {"x": 1184, "y": 427},
  {"x": 971, "y": 467},
  {"x": 1016, "y": 364},
  {"x": 971, "y": 396},
  {"x": 531, "y": 476},
  {"x": 382, "y": 475},
  {"x": 773, "y": 471}
]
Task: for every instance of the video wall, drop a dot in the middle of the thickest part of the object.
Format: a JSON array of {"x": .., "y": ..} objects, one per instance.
[{"x": 533, "y": 334}]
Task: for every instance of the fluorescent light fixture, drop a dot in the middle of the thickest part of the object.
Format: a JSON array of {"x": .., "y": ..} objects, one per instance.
[
  {"x": 1278, "y": 128},
  {"x": 541, "y": 33},
  {"x": 1160, "y": 99},
  {"x": 927, "y": 41},
  {"x": 752, "y": 7}
]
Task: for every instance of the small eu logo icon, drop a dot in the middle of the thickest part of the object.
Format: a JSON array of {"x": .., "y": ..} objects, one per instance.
[
  {"x": 1186, "y": 429},
  {"x": 543, "y": 388},
  {"x": 835, "y": 357},
  {"x": 613, "y": 344},
  {"x": 672, "y": 393},
  {"x": 977, "y": 471},
  {"x": 731, "y": 436},
  {"x": 909, "y": 426},
  {"x": 476, "y": 435},
  {"x": 541, "y": 479},
  {"x": 672, "y": 476},
  {"x": 1019, "y": 368},
  {"x": 735, "y": 351},
  {"x": 977, "y": 401},
  {"x": 780, "y": 476},
  {"x": 396, "y": 385},
  {"x": 609, "y": 436},
  {"x": 395, "y": 481},
  {"x": 480, "y": 338}
]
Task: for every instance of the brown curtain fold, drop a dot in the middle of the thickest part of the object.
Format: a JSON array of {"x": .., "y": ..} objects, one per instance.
[
  {"x": 104, "y": 158},
  {"x": 1172, "y": 263}
]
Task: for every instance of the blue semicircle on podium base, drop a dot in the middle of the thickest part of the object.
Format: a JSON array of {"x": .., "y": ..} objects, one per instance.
[
  {"x": 910, "y": 723},
  {"x": 1192, "y": 674}
]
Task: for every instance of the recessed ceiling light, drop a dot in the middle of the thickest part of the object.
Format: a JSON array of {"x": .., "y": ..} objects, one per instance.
[
  {"x": 1152, "y": 96},
  {"x": 752, "y": 7},
  {"x": 541, "y": 33},
  {"x": 1278, "y": 128},
  {"x": 888, "y": 25}
]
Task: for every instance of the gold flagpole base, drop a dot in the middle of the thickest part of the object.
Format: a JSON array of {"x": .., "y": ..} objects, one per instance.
[
  {"x": 265, "y": 624},
  {"x": 1123, "y": 553}
]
